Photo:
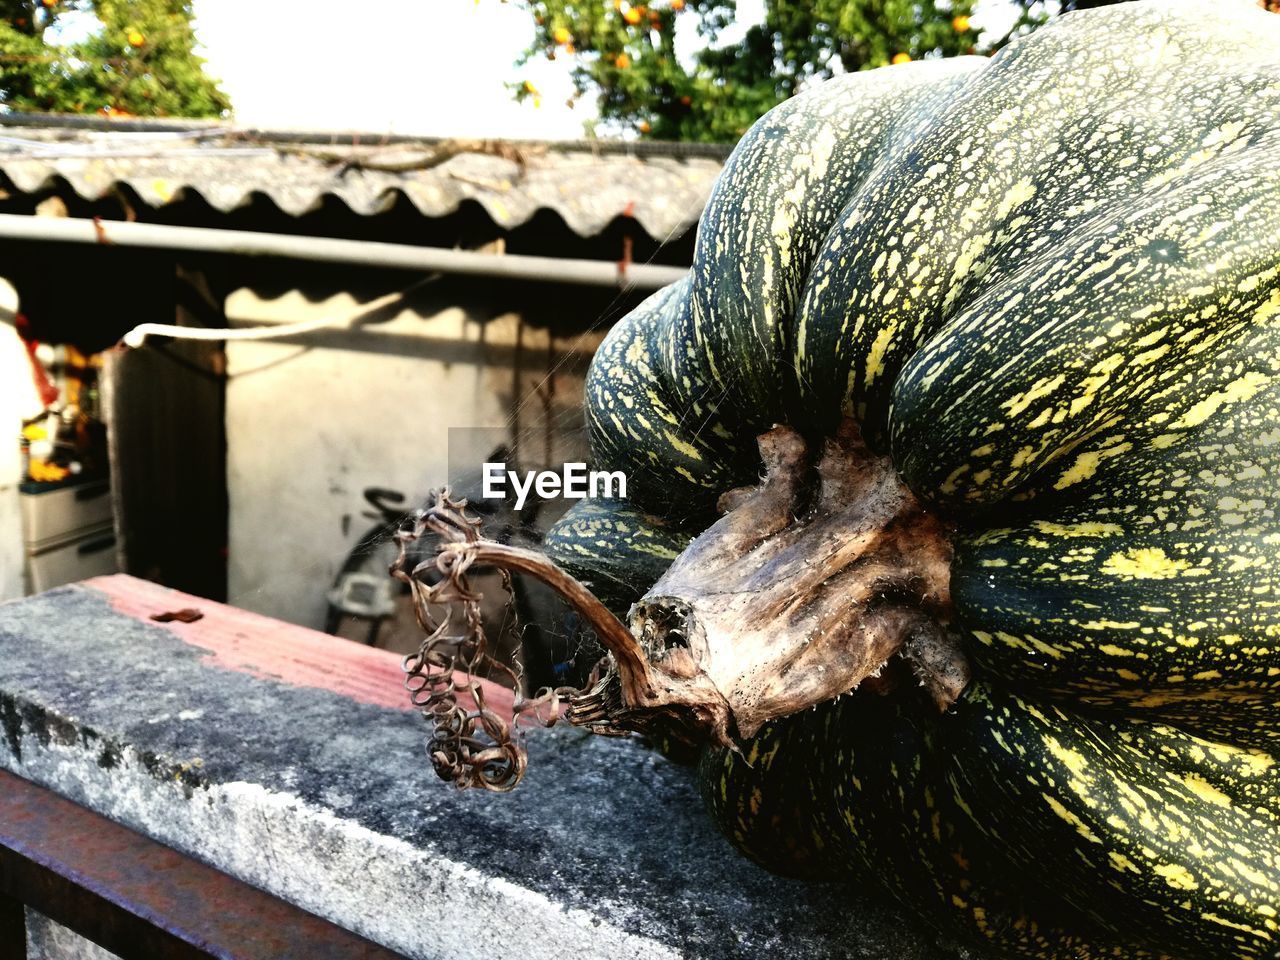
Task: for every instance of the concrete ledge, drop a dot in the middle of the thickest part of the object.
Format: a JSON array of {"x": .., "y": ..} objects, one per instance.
[
  {"x": 47, "y": 940},
  {"x": 289, "y": 759}
]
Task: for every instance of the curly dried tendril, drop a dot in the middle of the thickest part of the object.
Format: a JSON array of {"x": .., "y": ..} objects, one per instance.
[{"x": 472, "y": 744}]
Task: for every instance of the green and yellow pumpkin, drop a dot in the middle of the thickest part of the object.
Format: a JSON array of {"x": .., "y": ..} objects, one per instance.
[{"x": 1044, "y": 288}]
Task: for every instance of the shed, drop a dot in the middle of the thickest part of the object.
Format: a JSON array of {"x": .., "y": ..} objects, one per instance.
[{"x": 242, "y": 469}]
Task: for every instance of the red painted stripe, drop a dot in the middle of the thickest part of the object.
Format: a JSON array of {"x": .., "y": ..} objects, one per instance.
[{"x": 235, "y": 639}]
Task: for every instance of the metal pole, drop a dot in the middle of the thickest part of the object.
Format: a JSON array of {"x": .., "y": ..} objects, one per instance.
[{"x": 398, "y": 256}]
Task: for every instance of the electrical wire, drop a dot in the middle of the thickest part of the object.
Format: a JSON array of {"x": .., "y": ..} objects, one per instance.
[{"x": 138, "y": 335}]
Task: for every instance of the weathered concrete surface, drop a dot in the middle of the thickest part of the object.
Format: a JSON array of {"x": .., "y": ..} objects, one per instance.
[
  {"x": 47, "y": 940},
  {"x": 314, "y": 786}
]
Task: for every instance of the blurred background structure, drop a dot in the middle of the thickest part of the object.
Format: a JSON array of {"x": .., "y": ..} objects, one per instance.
[{"x": 239, "y": 469}]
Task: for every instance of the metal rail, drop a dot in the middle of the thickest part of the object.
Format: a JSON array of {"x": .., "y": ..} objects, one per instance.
[
  {"x": 398, "y": 256},
  {"x": 138, "y": 898}
]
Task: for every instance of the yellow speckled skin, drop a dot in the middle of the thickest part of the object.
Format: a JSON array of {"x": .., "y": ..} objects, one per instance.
[{"x": 1048, "y": 284}]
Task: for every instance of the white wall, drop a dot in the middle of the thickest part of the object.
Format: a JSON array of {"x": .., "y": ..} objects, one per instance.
[
  {"x": 18, "y": 399},
  {"x": 310, "y": 427}
]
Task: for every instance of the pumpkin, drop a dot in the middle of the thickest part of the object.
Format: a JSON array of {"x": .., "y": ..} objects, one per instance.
[{"x": 1019, "y": 319}]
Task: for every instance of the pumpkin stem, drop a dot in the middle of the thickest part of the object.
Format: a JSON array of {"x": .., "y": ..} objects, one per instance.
[
  {"x": 611, "y": 632},
  {"x": 636, "y": 689},
  {"x": 478, "y": 747},
  {"x": 808, "y": 585}
]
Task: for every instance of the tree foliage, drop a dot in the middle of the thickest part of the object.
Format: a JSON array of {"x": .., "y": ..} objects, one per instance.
[
  {"x": 140, "y": 60},
  {"x": 625, "y": 53}
]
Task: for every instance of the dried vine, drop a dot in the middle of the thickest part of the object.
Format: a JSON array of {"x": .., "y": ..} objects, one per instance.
[{"x": 477, "y": 746}]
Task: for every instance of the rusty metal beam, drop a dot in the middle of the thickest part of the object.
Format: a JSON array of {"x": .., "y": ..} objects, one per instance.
[{"x": 138, "y": 898}]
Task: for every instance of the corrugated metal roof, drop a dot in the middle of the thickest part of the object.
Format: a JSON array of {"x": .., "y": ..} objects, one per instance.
[{"x": 588, "y": 185}]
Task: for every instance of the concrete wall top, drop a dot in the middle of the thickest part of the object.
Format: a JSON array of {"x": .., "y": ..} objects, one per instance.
[{"x": 289, "y": 759}]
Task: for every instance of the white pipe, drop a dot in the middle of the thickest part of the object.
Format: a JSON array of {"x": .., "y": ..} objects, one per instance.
[{"x": 399, "y": 256}]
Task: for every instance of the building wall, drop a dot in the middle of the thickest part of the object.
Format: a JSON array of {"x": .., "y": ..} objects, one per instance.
[{"x": 315, "y": 419}]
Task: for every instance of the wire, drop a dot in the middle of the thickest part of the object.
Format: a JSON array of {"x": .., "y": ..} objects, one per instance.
[{"x": 138, "y": 335}]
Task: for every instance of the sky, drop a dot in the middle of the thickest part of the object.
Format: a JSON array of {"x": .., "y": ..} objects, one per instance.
[{"x": 430, "y": 67}]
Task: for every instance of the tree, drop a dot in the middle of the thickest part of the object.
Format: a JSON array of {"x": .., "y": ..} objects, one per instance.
[
  {"x": 139, "y": 61},
  {"x": 625, "y": 53}
]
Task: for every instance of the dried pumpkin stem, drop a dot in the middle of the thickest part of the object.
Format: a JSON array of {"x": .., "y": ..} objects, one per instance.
[
  {"x": 806, "y": 587},
  {"x": 610, "y": 631}
]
